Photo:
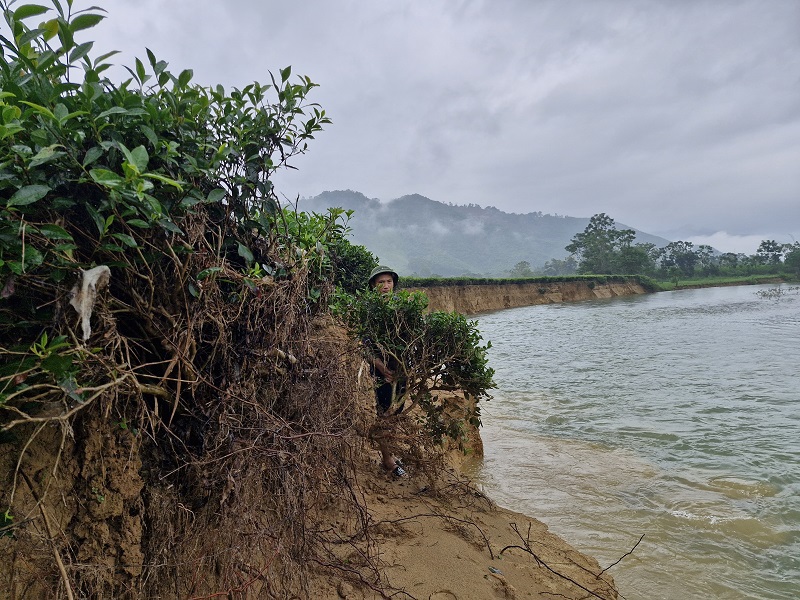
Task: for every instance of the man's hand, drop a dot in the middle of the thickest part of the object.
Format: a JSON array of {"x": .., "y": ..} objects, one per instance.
[{"x": 385, "y": 371}]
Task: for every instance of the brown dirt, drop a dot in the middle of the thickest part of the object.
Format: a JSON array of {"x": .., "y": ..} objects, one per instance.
[
  {"x": 473, "y": 299},
  {"x": 448, "y": 544},
  {"x": 94, "y": 519}
]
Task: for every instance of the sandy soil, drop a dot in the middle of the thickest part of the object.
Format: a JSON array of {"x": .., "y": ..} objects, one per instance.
[
  {"x": 430, "y": 536},
  {"x": 445, "y": 540},
  {"x": 474, "y": 299}
]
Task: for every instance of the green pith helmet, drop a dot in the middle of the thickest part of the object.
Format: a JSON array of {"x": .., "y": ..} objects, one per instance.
[{"x": 380, "y": 271}]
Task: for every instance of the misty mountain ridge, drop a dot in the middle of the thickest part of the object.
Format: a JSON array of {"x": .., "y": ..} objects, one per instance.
[{"x": 419, "y": 236}]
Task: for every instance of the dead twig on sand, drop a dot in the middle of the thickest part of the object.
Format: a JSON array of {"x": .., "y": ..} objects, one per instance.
[
  {"x": 619, "y": 560},
  {"x": 526, "y": 547}
]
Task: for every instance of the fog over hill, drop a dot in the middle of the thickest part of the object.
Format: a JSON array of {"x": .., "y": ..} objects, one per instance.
[{"x": 417, "y": 235}]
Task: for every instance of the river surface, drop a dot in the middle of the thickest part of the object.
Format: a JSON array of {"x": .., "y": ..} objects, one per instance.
[{"x": 675, "y": 415}]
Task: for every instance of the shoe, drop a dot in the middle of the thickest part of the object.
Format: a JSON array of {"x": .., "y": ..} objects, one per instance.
[{"x": 399, "y": 471}]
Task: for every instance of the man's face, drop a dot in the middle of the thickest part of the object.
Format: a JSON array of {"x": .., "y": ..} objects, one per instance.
[{"x": 384, "y": 283}]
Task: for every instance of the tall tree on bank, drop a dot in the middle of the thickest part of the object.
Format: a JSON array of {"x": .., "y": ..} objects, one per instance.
[
  {"x": 771, "y": 252},
  {"x": 522, "y": 269},
  {"x": 681, "y": 257},
  {"x": 602, "y": 248},
  {"x": 792, "y": 260}
]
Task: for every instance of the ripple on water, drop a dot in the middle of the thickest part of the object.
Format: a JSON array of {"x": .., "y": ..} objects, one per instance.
[
  {"x": 671, "y": 414},
  {"x": 736, "y": 487}
]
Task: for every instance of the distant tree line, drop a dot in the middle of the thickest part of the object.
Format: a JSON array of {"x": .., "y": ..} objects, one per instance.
[{"x": 602, "y": 248}]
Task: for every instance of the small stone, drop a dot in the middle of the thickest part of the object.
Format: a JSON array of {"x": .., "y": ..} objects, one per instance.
[{"x": 345, "y": 590}]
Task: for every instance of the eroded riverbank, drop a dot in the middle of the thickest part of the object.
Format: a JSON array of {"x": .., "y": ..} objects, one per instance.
[{"x": 474, "y": 299}]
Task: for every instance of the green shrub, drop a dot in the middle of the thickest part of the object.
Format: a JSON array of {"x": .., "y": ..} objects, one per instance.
[
  {"x": 200, "y": 341},
  {"x": 435, "y": 351}
]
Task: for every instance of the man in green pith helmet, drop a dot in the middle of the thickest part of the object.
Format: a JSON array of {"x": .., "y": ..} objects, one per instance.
[{"x": 385, "y": 370}]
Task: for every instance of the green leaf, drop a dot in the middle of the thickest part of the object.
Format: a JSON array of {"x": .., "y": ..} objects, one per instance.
[
  {"x": 106, "y": 178},
  {"x": 102, "y": 57},
  {"x": 46, "y": 154},
  {"x": 29, "y": 36},
  {"x": 185, "y": 77},
  {"x": 125, "y": 239},
  {"x": 189, "y": 201},
  {"x": 14, "y": 266},
  {"x": 140, "y": 158},
  {"x": 8, "y": 131},
  {"x": 54, "y": 232},
  {"x": 92, "y": 154},
  {"x": 149, "y": 134},
  {"x": 60, "y": 112},
  {"x": 116, "y": 110},
  {"x": 80, "y": 51},
  {"x": 65, "y": 34},
  {"x": 41, "y": 136},
  {"x": 11, "y": 113},
  {"x": 159, "y": 67},
  {"x": 156, "y": 209},
  {"x": 140, "y": 72},
  {"x": 138, "y": 223},
  {"x": 125, "y": 152},
  {"x": 8, "y": 518},
  {"x": 33, "y": 257},
  {"x": 85, "y": 21},
  {"x": 206, "y": 272},
  {"x": 163, "y": 179},
  {"x": 28, "y": 195},
  {"x": 73, "y": 115},
  {"x": 246, "y": 254},
  {"x": 57, "y": 364},
  {"x": 170, "y": 226},
  {"x": 98, "y": 219},
  {"x": 70, "y": 386},
  {"x": 285, "y": 74},
  {"x": 216, "y": 195},
  {"x": 61, "y": 203},
  {"x": 40, "y": 109},
  {"x": 22, "y": 150},
  {"x": 29, "y": 10},
  {"x": 50, "y": 29}
]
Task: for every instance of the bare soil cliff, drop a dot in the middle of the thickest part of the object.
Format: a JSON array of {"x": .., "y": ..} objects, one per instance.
[
  {"x": 97, "y": 514},
  {"x": 473, "y": 299}
]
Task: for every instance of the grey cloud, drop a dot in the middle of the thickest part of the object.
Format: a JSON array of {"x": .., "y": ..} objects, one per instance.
[{"x": 668, "y": 115}]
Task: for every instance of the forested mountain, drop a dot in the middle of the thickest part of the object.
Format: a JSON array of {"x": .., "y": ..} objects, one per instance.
[{"x": 417, "y": 235}]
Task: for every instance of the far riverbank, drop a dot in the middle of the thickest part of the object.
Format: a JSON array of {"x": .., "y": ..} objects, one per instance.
[
  {"x": 474, "y": 299},
  {"x": 470, "y": 299}
]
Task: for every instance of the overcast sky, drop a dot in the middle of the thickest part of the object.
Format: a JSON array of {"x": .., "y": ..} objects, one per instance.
[{"x": 677, "y": 117}]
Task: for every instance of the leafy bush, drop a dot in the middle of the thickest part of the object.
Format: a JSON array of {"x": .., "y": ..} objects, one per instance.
[
  {"x": 352, "y": 265},
  {"x": 97, "y": 173},
  {"x": 201, "y": 340},
  {"x": 435, "y": 352}
]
